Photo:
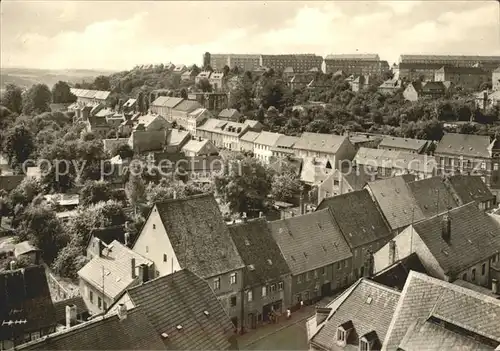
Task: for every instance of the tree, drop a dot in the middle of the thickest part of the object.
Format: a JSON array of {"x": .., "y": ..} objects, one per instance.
[
  {"x": 226, "y": 70},
  {"x": 135, "y": 189},
  {"x": 102, "y": 83},
  {"x": 69, "y": 261},
  {"x": 204, "y": 85},
  {"x": 242, "y": 96},
  {"x": 25, "y": 192},
  {"x": 18, "y": 144},
  {"x": 184, "y": 93},
  {"x": 140, "y": 102},
  {"x": 245, "y": 185},
  {"x": 43, "y": 229},
  {"x": 37, "y": 99},
  {"x": 95, "y": 191},
  {"x": 12, "y": 98},
  {"x": 124, "y": 150},
  {"x": 61, "y": 93},
  {"x": 285, "y": 186}
]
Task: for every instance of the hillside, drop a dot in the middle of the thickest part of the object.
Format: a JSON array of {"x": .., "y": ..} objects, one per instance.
[{"x": 26, "y": 77}]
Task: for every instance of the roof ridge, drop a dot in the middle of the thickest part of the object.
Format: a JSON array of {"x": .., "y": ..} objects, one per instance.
[
  {"x": 381, "y": 286},
  {"x": 455, "y": 209},
  {"x": 191, "y": 197}
]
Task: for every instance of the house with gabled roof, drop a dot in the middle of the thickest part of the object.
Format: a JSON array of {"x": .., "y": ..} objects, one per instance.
[
  {"x": 199, "y": 147},
  {"x": 332, "y": 148},
  {"x": 362, "y": 224},
  {"x": 266, "y": 276},
  {"x": 284, "y": 146},
  {"x": 130, "y": 330},
  {"x": 223, "y": 134},
  {"x": 247, "y": 140},
  {"x": 191, "y": 233},
  {"x": 358, "y": 319},
  {"x": 395, "y": 200},
  {"x": 163, "y": 106},
  {"x": 432, "y": 314},
  {"x": 202, "y": 75},
  {"x": 395, "y": 275},
  {"x": 263, "y": 145},
  {"x": 471, "y": 188},
  {"x": 186, "y": 314},
  {"x": 460, "y": 243},
  {"x": 26, "y": 309},
  {"x": 415, "y": 146},
  {"x": 468, "y": 154},
  {"x": 112, "y": 269},
  {"x": 229, "y": 114},
  {"x": 338, "y": 182},
  {"x": 433, "y": 195},
  {"x": 316, "y": 252}
]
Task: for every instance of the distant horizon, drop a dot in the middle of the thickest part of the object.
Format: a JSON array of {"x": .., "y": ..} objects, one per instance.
[{"x": 71, "y": 35}]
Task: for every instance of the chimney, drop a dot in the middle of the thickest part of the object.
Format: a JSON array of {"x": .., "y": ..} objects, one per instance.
[
  {"x": 244, "y": 217},
  {"x": 261, "y": 214},
  {"x": 122, "y": 311},
  {"x": 392, "y": 252},
  {"x": 70, "y": 315},
  {"x": 12, "y": 265},
  {"x": 368, "y": 272},
  {"x": 446, "y": 228},
  {"x": 301, "y": 204},
  {"x": 127, "y": 238},
  {"x": 97, "y": 247},
  {"x": 175, "y": 195},
  {"x": 494, "y": 286},
  {"x": 132, "y": 266},
  {"x": 322, "y": 314},
  {"x": 143, "y": 273}
]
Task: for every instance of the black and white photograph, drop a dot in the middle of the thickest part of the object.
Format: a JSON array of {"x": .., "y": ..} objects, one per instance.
[{"x": 250, "y": 175}]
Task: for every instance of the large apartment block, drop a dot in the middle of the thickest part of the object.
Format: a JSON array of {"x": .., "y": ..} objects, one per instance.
[
  {"x": 486, "y": 62},
  {"x": 357, "y": 64},
  {"x": 249, "y": 62}
]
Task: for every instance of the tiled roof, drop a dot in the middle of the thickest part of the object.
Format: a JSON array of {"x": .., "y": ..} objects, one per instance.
[
  {"x": 252, "y": 123},
  {"x": 477, "y": 288},
  {"x": 198, "y": 112},
  {"x": 60, "y": 307},
  {"x": 90, "y": 94},
  {"x": 470, "y": 188},
  {"x": 396, "y": 201},
  {"x": 199, "y": 235},
  {"x": 177, "y": 136},
  {"x": 356, "y": 57},
  {"x": 474, "y": 237},
  {"x": 24, "y": 247},
  {"x": 259, "y": 252},
  {"x": 229, "y": 113},
  {"x": 249, "y": 136},
  {"x": 115, "y": 259},
  {"x": 129, "y": 103},
  {"x": 133, "y": 333},
  {"x": 267, "y": 138},
  {"x": 214, "y": 125},
  {"x": 166, "y": 101},
  {"x": 403, "y": 143},
  {"x": 358, "y": 217},
  {"x": 466, "y": 145},
  {"x": 462, "y": 70},
  {"x": 187, "y": 106},
  {"x": 108, "y": 234},
  {"x": 10, "y": 182},
  {"x": 395, "y": 275},
  {"x": 195, "y": 145},
  {"x": 369, "y": 307},
  {"x": 432, "y": 195},
  {"x": 204, "y": 74},
  {"x": 424, "y": 296},
  {"x": 431, "y": 87},
  {"x": 357, "y": 179},
  {"x": 426, "y": 335},
  {"x": 25, "y": 296},
  {"x": 392, "y": 83},
  {"x": 186, "y": 301},
  {"x": 327, "y": 143},
  {"x": 286, "y": 141},
  {"x": 310, "y": 241},
  {"x": 397, "y": 160},
  {"x": 451, "y": 58}
]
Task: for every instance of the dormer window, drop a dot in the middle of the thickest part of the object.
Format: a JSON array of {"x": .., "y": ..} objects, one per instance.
[
  {"x": 363, "y": 345},
  {"x": 341, "y": 335},
  {"x": 343, "y": 332}
]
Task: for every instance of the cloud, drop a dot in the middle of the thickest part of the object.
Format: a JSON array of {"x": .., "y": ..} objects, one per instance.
[{"x": 401, "y": 7}]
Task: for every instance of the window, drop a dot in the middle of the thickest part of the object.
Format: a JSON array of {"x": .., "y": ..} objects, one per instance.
[
  {"x": 280, "y": 286},
  {"x": 147, "y": 249},
  {"x": 323, "y": 270},
  {"x": 340, "y": 335},
  {"x": 35, "y": 335},
  {"x": 345, "y": 264},
  {"x": 105, "y": 305},
  {"x": 483, "y": 269},
  {"x": 164, "y": 257},
  {"x": 232, "y": 278},
  {"x": 464, "y": 276},
  {"x": 273, "y": 288},
  {"x": 216, "y": 283},
  {"x": 99, "y": 302},
  {"x": 91, "y": 296},
  {"x": 233, "y": 301},
  {"x": 473, "y": 277},
  {"x": 154, "y": 226},
  {"x": 249, "y": 295},
  {"x": 299, "y": 278},
  {"x": 363, "y": 345},
  {"x": 316, "y": 273},
  {"x": 308, "y": 276},
  {"x": 264, "y": 291},
  {"x": 483, "y": 165}
]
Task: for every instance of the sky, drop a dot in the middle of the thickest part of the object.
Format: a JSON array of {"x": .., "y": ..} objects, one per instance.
[{"x": 117, "y": 35}]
